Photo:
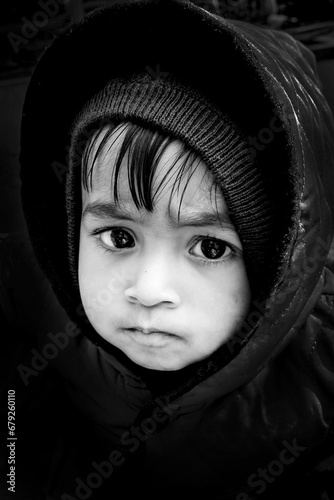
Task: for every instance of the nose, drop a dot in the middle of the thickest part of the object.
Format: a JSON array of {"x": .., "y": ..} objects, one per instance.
[{"x": 154, "y": 284}]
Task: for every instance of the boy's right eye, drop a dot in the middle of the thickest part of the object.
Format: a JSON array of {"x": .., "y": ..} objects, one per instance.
[{"x": 117, "y": 238}]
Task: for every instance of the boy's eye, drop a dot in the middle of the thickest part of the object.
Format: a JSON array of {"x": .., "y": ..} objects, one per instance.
[
  {"x": 117, "y": 238},
  {"x": 211, "y": 248}
]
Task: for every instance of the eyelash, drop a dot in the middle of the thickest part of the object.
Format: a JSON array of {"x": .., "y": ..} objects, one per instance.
[
  {"x": 235, "y": 252},
  {"x": 97, "y": 232},
  {"x": 214, "y": 262}
]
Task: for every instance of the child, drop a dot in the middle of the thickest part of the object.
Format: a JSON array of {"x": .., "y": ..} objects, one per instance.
[{"x": 177, "y": 180}]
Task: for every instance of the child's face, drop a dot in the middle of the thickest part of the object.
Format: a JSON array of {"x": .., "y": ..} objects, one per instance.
[{"x": 166, "y": 292}]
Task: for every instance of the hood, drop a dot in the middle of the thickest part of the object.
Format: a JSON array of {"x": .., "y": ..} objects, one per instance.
[{"x": 264, "y": 79}]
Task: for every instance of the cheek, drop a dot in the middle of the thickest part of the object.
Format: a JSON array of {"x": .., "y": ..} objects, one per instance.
[
  {"x": 98, "y": 287},
  {"x": 224, "y": 298},
  {"x": 102, "y": 283}
]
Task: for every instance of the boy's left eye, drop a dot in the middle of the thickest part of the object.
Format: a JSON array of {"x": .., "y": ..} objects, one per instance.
[
  {"x": 211, "y": 248},
  {"x": 117, "y": 239}
]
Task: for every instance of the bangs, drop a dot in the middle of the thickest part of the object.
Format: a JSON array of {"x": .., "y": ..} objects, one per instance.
[{"x": 141, "y": 151}]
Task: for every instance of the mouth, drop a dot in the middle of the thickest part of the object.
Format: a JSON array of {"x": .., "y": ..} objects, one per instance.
[{"x": 150, "y": 337}]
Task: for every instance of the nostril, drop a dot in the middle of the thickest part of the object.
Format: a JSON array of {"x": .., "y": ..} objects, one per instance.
[
  {"x": 151, "y": 289},
  {"x": 132, "y": 299}
]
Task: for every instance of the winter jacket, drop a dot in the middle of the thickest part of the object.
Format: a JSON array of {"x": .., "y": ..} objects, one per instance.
[{"x": 260, "y": 426}]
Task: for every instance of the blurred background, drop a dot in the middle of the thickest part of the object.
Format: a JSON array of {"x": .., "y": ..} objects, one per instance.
[{"x": 28, "y": 26}]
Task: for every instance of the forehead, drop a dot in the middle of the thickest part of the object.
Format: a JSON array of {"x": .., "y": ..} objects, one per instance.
[{"x": 195, "y": 190}]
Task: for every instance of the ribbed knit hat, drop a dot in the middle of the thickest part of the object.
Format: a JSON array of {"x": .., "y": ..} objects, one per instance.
[{"x": 177, "y": 110}]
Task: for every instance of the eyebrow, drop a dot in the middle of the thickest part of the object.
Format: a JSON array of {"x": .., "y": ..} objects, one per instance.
[{"x": 104, "y": 211}]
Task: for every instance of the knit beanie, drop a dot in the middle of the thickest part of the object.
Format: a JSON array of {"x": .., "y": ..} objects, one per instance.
[{"x": 173, "y": 108}]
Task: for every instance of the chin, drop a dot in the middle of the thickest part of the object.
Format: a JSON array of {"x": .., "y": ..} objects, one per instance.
[{"x": 156, "y": 365}]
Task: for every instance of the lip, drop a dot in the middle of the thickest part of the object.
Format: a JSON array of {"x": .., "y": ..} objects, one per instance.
[
  {"x": 148, "y": 330},
  {"x": 150, "y": 337}
]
